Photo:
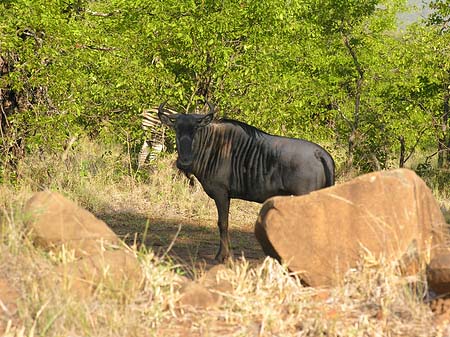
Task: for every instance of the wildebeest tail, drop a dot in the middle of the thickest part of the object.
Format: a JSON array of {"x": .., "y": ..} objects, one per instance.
[{"x": 328, "y": 168}]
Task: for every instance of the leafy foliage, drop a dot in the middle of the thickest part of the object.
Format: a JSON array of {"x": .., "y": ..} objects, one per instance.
[{"x": 337, "y": 72}]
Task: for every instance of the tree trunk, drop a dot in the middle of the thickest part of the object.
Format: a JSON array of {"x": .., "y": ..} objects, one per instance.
[
  {"x": 358, "y": 90},
  {"x": 443, "y": 150},
  {"x": 402, "y": 151},
  {"x": 446, "y": 128}
]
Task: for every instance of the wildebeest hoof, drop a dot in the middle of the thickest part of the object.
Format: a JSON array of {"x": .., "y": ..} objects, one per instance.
[{"x": 222, "y": 257}]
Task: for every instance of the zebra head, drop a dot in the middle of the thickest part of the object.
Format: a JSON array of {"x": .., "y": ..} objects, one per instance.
[{"x": 186, "y": 127}]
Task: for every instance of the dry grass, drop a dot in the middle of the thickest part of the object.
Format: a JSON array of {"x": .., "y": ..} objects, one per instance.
[{"x": 373, "y": 300}]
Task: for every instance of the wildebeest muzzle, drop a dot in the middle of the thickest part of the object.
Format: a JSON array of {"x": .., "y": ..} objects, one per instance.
[{"x": 185, "y": 154}]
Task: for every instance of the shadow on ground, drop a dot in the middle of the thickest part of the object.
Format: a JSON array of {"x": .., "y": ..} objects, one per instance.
[{"x": 188, "y": 242}]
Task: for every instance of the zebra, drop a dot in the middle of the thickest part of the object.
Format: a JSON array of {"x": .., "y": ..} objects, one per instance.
[
  {"x": 155, "y": 143},
  {"x": 232, "y": 159}
]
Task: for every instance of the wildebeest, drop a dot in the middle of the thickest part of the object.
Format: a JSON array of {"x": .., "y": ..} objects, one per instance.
[{"x": 234, "y": 160}]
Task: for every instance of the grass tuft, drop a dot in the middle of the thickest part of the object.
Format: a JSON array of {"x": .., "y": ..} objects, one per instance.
[{"x": 265, "y": 300}]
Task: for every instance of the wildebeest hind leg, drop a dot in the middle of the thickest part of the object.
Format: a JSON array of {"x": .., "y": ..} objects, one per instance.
[{"x": 223, "y": 206}]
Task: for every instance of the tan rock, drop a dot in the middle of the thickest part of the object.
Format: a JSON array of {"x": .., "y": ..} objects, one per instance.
[
  {"x": 116, "y": 270},
  {"x": 195, "y": 295},
  {"x": 438, "y": 273},
  {"x": 322, "y": 234},
  {"x": 55, "y": 221},
  {"x": 441, "y": 310},
  {"x": 207, "y": 291},
  {"x": 214, "y": 279}
]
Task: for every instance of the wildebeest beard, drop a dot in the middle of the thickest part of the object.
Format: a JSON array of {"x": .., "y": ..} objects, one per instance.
[{"x": 186, "y": 168}]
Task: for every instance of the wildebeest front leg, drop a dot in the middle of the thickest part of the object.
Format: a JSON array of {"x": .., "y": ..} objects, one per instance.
[{"x": 223, "y": 206}]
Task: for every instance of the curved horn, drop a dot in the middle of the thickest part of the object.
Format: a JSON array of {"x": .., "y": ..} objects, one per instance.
[
  {"x": 161, "y": 107},
  {"x": 166, "y": 119},
  {"x": 211, "y": 107}
]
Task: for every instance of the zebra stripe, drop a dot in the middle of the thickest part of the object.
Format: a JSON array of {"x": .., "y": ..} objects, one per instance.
[{"x": 154, "y": 143}]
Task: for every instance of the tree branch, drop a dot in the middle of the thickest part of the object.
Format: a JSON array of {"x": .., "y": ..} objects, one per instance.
[
  {"x": 415, "y": 144},
  {"x": 100, "y": 48},
  {"x": 104, "y": 15}
]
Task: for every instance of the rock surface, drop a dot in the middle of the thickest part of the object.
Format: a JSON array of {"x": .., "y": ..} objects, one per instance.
[
  {"x": 214, "y": 279},
  {"x": 207, "y": 291},
  {"x": 441, "y": 310},
  {"x": 438, "y": 273},
  {"x": 116, "y": 270},
  {"x": 322, "y": 234},
  {"x": 55, "y": 220},
  {"x": 198, "y": 296}
]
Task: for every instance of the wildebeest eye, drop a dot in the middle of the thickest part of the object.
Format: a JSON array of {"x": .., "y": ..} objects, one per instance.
[{"x": 173, "y": 119}]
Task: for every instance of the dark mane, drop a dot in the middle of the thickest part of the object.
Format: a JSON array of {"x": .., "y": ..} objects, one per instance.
[{"x": 250, "y": 130}]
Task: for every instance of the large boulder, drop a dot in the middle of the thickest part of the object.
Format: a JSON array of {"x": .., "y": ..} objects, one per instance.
[
  {"x": 55, "y": 220},
  {"x": 102, "y": 260},
  {"x": 322, "y": 234}
]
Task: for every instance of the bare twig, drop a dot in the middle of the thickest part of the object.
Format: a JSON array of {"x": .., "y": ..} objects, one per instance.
[
  {"x": 427, "y": 158},
  {"x": 415, "y": 144},
  {"x": 100, "y": 48},
  {"x": 68, "y": 147},
  {"x": 197, "y": 84},
  {"x": 104, "y": 15},
  {"x": 173, "y": 241},
  {"x": 349, "y": 122},
  {"x": 1, "y": 119},
  {"x": 129, "y": 154}
]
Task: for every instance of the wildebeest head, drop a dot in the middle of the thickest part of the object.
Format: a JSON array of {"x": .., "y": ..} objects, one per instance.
[{"x": 185, "y": 126}]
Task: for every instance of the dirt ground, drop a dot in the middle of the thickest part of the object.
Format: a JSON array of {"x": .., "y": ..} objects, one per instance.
[{"x": 191, "y": 243}]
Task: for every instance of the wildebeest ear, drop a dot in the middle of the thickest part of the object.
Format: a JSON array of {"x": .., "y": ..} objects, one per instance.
[
  {"x": 204, "y": 121},
  {"x": 167, "y": 119}
]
